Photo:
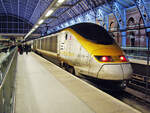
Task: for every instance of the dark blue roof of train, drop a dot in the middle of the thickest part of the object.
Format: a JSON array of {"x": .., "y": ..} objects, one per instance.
[{"x": 93, "y": 32}]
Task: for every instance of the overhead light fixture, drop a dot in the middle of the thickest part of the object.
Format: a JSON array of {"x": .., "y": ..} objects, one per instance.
[
  {"x": 44, "y": 16},
  {"x": 33, "y": 29},
  {"x": 41, "y": 21},
  {"x": 60, "y": 1},
  {"x": 36, "y": 26},
  {"x": 49, "y": 13}
]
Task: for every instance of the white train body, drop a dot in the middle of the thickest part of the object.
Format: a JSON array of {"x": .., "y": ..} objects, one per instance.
[{"x": 83, "y": 55}]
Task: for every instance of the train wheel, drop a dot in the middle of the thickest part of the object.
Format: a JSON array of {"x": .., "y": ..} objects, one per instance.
[
  {"x": 71, "y": 70},
  {"x": 63, "y": 66}
]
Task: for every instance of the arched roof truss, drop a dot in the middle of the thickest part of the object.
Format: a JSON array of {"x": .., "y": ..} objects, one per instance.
[{"x": 74, "y": 11}]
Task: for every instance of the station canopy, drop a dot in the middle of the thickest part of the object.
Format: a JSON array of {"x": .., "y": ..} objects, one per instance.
[{"x": 33, "y": 10}]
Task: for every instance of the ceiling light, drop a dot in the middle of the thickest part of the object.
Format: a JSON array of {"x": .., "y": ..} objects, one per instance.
[
  {"x": 60, "y": 1},
  {"x": 49, "y": 13},
  {"x": 33, "y": 29},
  {"x": 36, "y": 26},
  {"x": 41, "y": 21}
]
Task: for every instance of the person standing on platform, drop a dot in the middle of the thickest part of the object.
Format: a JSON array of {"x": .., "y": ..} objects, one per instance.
[
  {"x": 20, "y": 49},
  {"x": 26, "y": 47}
]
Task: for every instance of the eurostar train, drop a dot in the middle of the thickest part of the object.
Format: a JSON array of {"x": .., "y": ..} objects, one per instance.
[{"x": 87, "y": 49}]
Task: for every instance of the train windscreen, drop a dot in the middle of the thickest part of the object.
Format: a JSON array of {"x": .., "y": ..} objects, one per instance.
[{"x": 94, "y": 33}]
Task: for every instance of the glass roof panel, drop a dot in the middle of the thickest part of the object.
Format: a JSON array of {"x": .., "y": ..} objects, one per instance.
[
  {"x": 14, "y": 8},
  {"x": 2, "y": 10},
  {"x": 7, "y": 5},
  {"x": 32, "y": 10}
]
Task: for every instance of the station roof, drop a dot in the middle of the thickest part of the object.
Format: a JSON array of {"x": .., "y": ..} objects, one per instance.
[{"x": 32, "y": 10}]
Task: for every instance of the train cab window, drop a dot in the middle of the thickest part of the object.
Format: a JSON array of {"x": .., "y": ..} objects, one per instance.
[
  {"x": 66, "y": 37},
  {"x": 94, "y": 33}
]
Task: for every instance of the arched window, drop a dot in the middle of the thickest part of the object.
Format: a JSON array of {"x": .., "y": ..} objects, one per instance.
[
  {"x": 13, "y": 24},
  {"x": 141, "y": 33},
  {"x": 112, "y": 26},
  {"x": 130, "y": 33},
  {"x": 130, "y": 22}
]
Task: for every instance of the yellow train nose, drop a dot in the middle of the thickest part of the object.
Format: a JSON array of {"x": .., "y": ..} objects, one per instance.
[
  {"x": 111, "y": 50},
  {"x": 111, "y": 59}
]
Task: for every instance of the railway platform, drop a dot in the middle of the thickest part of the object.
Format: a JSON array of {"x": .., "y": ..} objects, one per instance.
[
  {"x": 140, "y": 80},
  {"x": 42, "y": 87},
  {"x": 138, "y": 61},
  {"x": 140, "y": 67}
]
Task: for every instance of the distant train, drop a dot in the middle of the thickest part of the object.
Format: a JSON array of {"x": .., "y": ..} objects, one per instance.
[{"x": 88, "y": 49}]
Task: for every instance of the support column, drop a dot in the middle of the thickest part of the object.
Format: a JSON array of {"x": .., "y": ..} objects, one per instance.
[
  {"x": 123, "y": 34},
  {"x": 107, "y": 22},
  {"x": 120, "y": 14},
  {"x": 144, "y": 10}
]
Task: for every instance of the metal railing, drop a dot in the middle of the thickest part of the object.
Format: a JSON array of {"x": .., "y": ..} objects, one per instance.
[
  {"x": 7, "y": 80},
  {"x": 141, "y": 77},
  {"x": 140, "y": 83},
  {"x": 136, "y": 52}
]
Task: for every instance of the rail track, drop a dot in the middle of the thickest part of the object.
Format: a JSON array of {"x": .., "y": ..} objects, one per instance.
[{"x": 140, "y": 83}]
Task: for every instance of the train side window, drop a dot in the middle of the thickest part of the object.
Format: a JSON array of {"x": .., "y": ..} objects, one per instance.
[{"x": 66, "y": 36}]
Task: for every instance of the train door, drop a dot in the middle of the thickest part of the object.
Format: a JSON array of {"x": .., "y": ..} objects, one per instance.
[
  {"x": 84, "y": 61},
  {"x": 40, "y": 44},
  {"x": 67, "y": 49},
  {"x": 69, "y": 42},
  {"x": 61, "y": 45},
  {"x": 93, "y": 67}
]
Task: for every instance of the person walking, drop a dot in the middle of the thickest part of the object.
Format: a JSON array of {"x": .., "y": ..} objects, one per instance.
[
  {"x": 20, "y": 49},
  {"x": 26, "y": 47}
]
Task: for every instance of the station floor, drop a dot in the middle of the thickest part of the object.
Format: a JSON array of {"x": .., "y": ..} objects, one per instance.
[{"x": 42, "y": 87}]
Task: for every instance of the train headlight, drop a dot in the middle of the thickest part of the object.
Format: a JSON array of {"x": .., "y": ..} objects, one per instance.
[
  {"x": 104, "y": 58},
  {"x": 123, "y": 58}
]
